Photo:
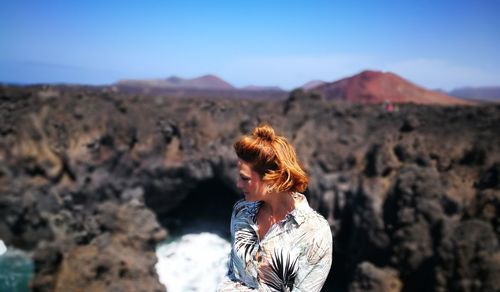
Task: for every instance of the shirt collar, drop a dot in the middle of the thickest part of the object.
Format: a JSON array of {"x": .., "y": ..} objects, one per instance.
[{"x": 299, "y": 214}]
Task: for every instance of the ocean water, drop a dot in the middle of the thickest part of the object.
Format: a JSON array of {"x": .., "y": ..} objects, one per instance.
[
  {"x": 16, "y": 269},
  {"x": 192, "y": 262}
]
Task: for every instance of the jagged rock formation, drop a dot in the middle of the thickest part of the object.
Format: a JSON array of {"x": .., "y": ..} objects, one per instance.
[{"x": 413, "y": 196}]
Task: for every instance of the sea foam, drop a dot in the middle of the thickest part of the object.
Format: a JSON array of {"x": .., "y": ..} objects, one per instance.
[
  {"x": 193, "y": 262},
  {"x": 3, "y": 248}
]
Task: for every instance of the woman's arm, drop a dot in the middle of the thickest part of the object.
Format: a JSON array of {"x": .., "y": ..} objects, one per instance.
[
  {"x": 229, "y": 285},
  {"x": 230, "y": 282},
  {"x": 317, "y": 263}
]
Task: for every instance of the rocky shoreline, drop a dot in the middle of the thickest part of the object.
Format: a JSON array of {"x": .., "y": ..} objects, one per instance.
[{"x": 90, "y": 180}]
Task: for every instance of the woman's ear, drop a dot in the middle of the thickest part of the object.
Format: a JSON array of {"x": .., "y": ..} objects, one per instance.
[{"x": 268, "y": 188}]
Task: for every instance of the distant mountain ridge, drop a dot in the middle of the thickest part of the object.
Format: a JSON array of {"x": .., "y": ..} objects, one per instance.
[
  {"x": 484, "y": 93},
  {"x": 209, "y": 86},
  {"x": 203, "y": 82},
  {"x": 312, "y": 84},
  {"x": 206, "y": 82},
  {"x": 377, "y": 87},
  {"x": 258, "y": 88},
  {"x": 366, "y": 87}
]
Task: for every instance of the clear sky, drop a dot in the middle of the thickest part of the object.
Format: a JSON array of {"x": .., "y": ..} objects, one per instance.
[{"x": 436, "y": 44}]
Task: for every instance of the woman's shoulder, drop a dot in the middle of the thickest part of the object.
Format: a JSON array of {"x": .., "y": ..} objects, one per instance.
[
  {"x": 312, "y": 220},
  {"x": 318, "y": 229},
  {"x": 317, "y": 222},
  {"x": 244, "y": 207},
  {"x": 310, "y": 216},
  {"x": 239, "y": 205}
]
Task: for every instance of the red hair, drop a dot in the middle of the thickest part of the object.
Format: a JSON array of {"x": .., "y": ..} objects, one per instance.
[{"x": 273, "y": 158}]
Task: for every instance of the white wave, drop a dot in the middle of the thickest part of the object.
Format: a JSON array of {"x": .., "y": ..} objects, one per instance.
[
  {"x": 3, "y": 248},
  {"x": 193, "y": 262}
]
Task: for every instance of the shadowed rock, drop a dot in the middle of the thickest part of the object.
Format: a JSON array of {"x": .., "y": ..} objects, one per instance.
[
  {"x": 371, "y": 278},
  {"x": 88, "y": 175}
]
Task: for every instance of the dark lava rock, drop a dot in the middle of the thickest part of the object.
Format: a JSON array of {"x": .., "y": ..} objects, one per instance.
[
  {"x": 490, "y": 178},
  {"x": 410, "y": 124},
  {"x": 90, "y": 178},
  {"x": 471, "y": 255},
  {"x": 371, "y": 278}
]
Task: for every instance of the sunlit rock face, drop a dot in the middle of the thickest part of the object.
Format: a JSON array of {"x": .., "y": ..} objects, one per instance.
[{"x": 91, "y": 179}]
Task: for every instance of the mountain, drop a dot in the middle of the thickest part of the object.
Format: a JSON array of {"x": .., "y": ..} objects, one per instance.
[
  {"x": 208, "y": 86},
  {"x": 485, "y": 93},
  {"x": 261, "y": 88},
  {"x": 312, "y": 84},
  {"x": 204, "y": 82},
  {"x": 377, "y": 87}
]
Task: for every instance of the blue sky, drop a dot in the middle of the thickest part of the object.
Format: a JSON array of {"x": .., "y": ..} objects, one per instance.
[{"x": 436, "y": 44}]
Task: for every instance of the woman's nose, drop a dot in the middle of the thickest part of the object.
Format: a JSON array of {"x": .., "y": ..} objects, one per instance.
[{"x": 239, "y": 184}]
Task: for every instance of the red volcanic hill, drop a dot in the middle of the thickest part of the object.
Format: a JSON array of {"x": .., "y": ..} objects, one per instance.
[{"x": 377, "y": 87}]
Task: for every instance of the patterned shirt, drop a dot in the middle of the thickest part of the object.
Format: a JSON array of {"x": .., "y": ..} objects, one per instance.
[{"x": 294, "y": 255}]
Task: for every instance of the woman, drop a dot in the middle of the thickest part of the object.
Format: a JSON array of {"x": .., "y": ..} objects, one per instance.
[{"x": 278, "y": 242}]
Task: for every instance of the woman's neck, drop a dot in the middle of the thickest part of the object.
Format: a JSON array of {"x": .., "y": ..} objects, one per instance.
[{"x": 277, "y": 205}]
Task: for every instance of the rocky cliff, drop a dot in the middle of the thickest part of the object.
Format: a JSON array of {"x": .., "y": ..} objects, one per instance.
[{"x": 89, "y": 180}]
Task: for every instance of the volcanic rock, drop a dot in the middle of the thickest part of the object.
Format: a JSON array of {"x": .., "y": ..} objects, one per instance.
[
  {"x": 92, "y": 179},
  {"x": 377, "y": 87}
]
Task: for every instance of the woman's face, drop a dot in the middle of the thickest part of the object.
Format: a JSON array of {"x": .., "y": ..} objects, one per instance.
[{"x": 249, "y": 181}]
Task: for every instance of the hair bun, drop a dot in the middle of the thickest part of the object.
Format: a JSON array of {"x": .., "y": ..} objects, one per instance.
[{"x": 264, "y": 132}]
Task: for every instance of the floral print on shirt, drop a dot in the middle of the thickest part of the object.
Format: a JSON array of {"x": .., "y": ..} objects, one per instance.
[{"x": 294, "y": 255}]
